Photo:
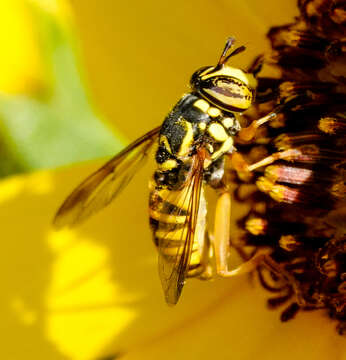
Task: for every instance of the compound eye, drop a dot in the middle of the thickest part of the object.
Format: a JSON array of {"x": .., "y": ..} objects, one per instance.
[
  {"x": 227, "y": 92},
  {"x": 196, "y": 77}
]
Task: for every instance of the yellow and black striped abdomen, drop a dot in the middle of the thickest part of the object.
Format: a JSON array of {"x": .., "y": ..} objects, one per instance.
[{"x": 168, "y": 212}]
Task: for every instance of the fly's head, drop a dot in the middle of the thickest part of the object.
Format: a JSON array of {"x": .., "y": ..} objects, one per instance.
[{"x": 226, "y": 87}]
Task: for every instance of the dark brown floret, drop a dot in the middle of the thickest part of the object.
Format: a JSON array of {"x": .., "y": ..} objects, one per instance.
[{"x": 298, "y": 165}]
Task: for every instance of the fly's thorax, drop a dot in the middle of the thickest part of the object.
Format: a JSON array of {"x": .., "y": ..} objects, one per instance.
[
  {"x": 181, "y": 131},
  {"x": 218, "y": 140},
  {"x": 193, "y": 123},
  {"x": 219, "y": 132}
]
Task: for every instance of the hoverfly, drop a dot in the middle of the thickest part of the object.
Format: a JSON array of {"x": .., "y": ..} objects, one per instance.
[{"x": 193, "y": 142}]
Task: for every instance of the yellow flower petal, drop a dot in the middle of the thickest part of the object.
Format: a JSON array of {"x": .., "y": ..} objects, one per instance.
[
  {"x": 58, "y": 8},
  {"x": 20, "y": 63},
  {"x": 94, "y": 290}
]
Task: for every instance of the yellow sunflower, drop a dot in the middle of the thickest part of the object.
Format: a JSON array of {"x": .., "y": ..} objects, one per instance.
[{"x": 93, "y": 291}]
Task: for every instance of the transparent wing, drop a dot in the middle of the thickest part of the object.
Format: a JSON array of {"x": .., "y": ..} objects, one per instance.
[
  {"x": 176, "y": 242},
  {"x": 101, "y": 187}
]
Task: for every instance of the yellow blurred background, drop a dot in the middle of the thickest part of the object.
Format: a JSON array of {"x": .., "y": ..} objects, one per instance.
[
  {"x": 78, "y": 80},
  {"x": 79, "y": 77}
]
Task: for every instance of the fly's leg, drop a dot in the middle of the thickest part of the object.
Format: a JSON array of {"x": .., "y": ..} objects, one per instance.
[
  {"x": 241, "y": 166},
  {"x": 217, "y": 178},
  {"x": 222, "y": 237},
  {"x": 248, "y": 133},
  {"x": 200, "y": 264},
  {"x": 222, "y": 232},
  {"x": 222, "y": 241},
  {"x": 206, "y": 257}
]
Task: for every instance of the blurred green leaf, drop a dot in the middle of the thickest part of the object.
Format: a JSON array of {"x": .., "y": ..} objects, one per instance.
[{"x": 60, "y": 127}]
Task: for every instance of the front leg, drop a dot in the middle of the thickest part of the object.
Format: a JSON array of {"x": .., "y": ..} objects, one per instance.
[{"x": 248, "y": 133}]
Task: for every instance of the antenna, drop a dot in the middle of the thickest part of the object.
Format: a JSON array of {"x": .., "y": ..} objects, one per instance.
[{"x": 229, "y": 43}]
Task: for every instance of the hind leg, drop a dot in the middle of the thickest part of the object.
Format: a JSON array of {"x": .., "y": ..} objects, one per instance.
[{"x": 221, "y": 241}]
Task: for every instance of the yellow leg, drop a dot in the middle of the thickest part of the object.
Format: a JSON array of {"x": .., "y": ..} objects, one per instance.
[
  {"x": 246, "y": 134},
  {"x": 222, "y": 232},
  {"x": 289, "y": 154},
  {"x": 207, "y": 272},
  {"x": 222, "y": 241}
]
